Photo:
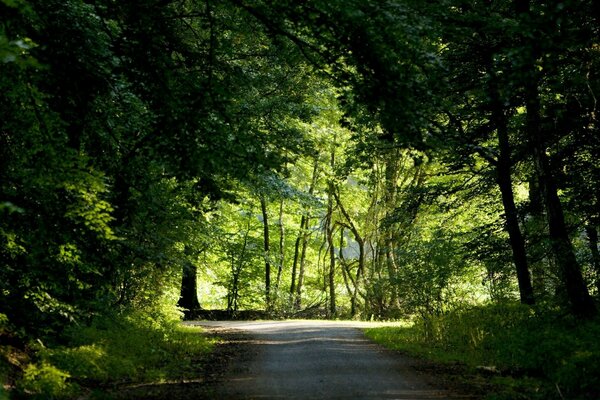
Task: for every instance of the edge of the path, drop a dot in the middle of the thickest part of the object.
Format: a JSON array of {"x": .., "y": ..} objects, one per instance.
[
  {"x": 239, "y": 346},
  {"x": 232, "y": 347}
]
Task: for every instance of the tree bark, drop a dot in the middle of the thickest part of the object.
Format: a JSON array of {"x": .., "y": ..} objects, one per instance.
[
  {"x": 570, "y": 272},
  {"x": 361, "y": 253},
  {"x": 592, "y": 234},
  {"x": 302, "y": 269},
  {"x": 331, "y": 245},
  {"x": 281, "y": 247},
  {"x": 267, "y": 249},
  {"x": 188, "y": 299},
  {"x": 504, "y": 180},
  {"x": 535, "y": 232},
  {"x": 391, "y": 190},
  {"x": 297, "y": 254},
  {"x": 577, "y": 293}
]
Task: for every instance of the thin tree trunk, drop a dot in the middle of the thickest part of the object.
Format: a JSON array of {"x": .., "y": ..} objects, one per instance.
[
  {"x": 298, "y": 301},
  {"x": 343, "y": 264},
  {"x": 281, "y": 247},
  {"x": 361, "y": 252},
  {"x": 263, "y": 208},
  {"x": 535, "y": 231},
  {"x": 329, "y": 235},
  {"x": 297, "y": 254},
  {"x": 592, "y": 234},
  {"x": 391, "y": 189}
]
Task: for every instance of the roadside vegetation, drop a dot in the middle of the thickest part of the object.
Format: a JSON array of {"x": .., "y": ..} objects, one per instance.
[
  {"x": 106, "y": 355},
  {"x": 519, "y": 352}
]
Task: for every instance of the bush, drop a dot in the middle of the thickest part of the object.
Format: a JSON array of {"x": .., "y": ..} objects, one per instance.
[{"x": 44, "y": 381}]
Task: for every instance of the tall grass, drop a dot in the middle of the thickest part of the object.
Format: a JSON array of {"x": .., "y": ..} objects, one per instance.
[{"x": 554, "y": 356}]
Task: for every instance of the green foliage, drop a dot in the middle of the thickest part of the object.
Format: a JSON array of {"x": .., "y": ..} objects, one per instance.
[
  {"x": 135, "y": 349},
  {"x": 536, "y": 347},
  {"x": 44, "y": 381},
  {"x": 127, "y": 348}
]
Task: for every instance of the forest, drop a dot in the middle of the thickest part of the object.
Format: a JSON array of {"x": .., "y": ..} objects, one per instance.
[{"x": 428, "y": 161}]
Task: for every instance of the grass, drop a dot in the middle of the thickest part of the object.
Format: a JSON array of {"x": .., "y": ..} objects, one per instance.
[
  {"x": 531, "y": 353},
  {"x": 114, "y": 351}
]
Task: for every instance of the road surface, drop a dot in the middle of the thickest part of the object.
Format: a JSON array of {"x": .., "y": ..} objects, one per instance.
[{"x": 319, "y": 360}]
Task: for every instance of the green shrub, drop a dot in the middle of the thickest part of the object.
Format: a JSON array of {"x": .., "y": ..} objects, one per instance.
[{"x": 44, "y": 381}]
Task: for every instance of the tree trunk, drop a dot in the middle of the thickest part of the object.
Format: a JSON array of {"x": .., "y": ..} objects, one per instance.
[
  {"x": 361, "y": 252},
  {"x": 504, "y": 180},
  {"x": 577, "y": 293},
  {"x": 359, "y": 274},
  {"x": 188, "y": 299},
  {"x": 570, "y": 272},
  {"x": 536, "y": 228},
  {"x": 281, "y": 247},
  {"x": 569, "y": 269},
  {"x": 263, "y": 208},
  {"x": 299, "y": 255},
  {"x": 296, "y": 254},
  {"x": 592, "y": 234},
  {"x": 298, "y": 300},
  {"x": 329, "y": 235},
  {"x": 391, "y": 190}
]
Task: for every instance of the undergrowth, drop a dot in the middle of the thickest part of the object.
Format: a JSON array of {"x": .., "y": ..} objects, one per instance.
[
  {"x": 123, "y": 349},
  {"x": 532, "y": 353}
]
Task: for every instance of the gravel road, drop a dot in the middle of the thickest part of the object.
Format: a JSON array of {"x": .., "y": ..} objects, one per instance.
[{"x": 319, "y": 360}]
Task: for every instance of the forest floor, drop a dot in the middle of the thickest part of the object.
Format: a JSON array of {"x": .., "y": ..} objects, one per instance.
[{"x": 309, "y": 360}]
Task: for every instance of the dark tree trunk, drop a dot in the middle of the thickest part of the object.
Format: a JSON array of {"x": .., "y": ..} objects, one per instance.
[
  {"x": 504, "y": 180},
  {"x": 391, "y": 190},
  {"x": 267, "y": 249},
  {"x": 188, "y": 299},
  {"x": 578, "y": 296},
  {"x": 592, "y": 234},
  {"x": 302, "y": 269},
  {"x": 536, "y": 229},
  {"x": 361, "y": 253},
  {"x": 281, "y": 262},
  {"x": 331, "y": 245},
  {"x": 570, "y": 272},
  {"x": 297, "y": 254}
]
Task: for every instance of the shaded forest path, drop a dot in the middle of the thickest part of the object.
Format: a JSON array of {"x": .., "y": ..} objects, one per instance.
[{"x": 320, "y": 360}]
